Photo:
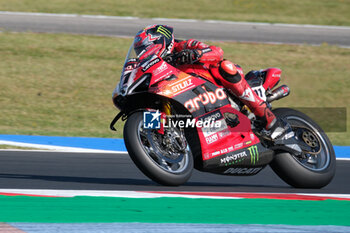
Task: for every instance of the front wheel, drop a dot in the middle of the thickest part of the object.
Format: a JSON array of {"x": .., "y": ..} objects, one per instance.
[
  {"x": 164, "y": 158},
  {"x": 315, "y": 167}
]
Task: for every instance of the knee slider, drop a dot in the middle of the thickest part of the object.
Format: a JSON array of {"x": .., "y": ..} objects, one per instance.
[{"x": 229, "y": 72}]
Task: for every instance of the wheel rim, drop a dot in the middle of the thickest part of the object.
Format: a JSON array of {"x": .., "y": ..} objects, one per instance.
[
  {"x": 170, "y": 162},
  {"x": 315, "y": 161}
]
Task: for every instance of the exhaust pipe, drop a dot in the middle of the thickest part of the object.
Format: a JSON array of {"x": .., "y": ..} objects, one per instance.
[{"x": 278, "y": 93}]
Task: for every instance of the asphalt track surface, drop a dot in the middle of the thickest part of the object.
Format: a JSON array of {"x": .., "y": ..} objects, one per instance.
[
  {"x": 87, "y": 171},
  {"x": 203, "y": 30}
]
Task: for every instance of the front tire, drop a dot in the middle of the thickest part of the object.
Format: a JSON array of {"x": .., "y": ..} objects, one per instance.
[
  {"x": 147, "y": 153},
  {"x": 314, "y": 170}
]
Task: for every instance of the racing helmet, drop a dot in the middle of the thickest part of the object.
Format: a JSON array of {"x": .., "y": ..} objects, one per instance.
[{"x": 161, "y": 35}]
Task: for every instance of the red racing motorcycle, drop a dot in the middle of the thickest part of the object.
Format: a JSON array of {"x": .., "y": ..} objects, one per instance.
[{"x": 177, "y": 121}]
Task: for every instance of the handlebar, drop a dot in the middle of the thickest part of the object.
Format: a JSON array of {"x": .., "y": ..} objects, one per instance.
[{"x": 172, "y": 58}]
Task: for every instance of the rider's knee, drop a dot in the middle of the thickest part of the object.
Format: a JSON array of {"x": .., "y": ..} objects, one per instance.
[{"x": 229, "y": 72}]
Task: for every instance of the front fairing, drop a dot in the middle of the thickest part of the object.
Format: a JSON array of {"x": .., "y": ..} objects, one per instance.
[
  {"x": 137, "y": 66},
  {"x": 151, "y": 74}
]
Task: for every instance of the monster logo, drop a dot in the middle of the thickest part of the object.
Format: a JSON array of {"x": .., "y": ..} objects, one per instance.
[
  {"x": 164, "y": 31},
  {"x": 254, "y": 154}
]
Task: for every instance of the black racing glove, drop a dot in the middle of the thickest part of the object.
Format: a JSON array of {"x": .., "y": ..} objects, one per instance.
[{"x": 188, "y": 56}]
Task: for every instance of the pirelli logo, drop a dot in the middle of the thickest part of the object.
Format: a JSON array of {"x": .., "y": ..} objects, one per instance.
[{"x": 164, "y": 31}]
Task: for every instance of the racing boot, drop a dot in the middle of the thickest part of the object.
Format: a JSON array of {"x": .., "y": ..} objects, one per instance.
[{"x": 232, "y": 78}]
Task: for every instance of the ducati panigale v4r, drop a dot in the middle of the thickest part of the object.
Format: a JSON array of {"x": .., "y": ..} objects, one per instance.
[{"x": 180, "y": 120}]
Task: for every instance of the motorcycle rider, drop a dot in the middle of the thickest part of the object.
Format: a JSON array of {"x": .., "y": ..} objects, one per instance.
[{"x": 227, "y": 73}]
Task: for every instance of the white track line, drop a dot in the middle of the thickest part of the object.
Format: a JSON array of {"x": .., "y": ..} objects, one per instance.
[
  {"x": 57, "y": 148},
  {"x": 327, "y": 195},
  {"x": 48, "y": 148},
  {"x": 141, "y": 194},
  {"x": 98, "y": 193}
]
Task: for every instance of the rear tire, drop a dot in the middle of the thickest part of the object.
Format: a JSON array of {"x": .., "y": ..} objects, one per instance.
[
  {"x": 315, "y": 172},
  {"x": 150, "y": 163}
]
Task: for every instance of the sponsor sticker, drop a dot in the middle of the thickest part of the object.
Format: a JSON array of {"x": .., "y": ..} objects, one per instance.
[
  {"x": 149, "y": 64},
  {"x": 211, "y": 139},
  {"x": 252, "y": 136},
  {"x": 239, "y": 145},
  {"x": 161, "y": 68},
  {"x": 208, "y": 97},
  {"x": 213, "y": 116},
  {"x": 260, "y": 91},
  {"x": 254, "y": 154},
  {"x": 219, "y": 128},
  {"x": 225, "y": 132},
  {"x": 182, "y": 85},
  {"x": 248, "y": 95},
  {"x": 207, "y": 50},
  {"x": 163, "y": 30},
  {"x": 232, "y": 159},
  {"x": 222, "y": 151},
  {"x": 243, "y": 171}
]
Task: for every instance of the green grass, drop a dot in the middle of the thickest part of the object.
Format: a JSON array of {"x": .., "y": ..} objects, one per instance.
[
  {"x": 324, "y": 12},
  {"x": 62, "y": 84},
  {"x": 17, "y": 147}
]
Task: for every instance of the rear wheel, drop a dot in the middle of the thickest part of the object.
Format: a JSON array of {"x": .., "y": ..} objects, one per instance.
[
  {"x": 164, "y": 158},
  {"x": 315, "y": 167}
]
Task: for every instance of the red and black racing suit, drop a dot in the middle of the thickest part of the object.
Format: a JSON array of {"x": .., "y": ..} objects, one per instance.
[{"x": 230, "y": 75}]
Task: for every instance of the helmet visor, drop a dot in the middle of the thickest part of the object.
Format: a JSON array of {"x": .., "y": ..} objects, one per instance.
[{"x": 140, "y": 49}]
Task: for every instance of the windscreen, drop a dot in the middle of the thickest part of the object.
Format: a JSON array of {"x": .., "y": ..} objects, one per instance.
[{"x": 125, "y": 75}]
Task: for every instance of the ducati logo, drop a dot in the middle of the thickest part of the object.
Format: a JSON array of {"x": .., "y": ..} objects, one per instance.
[{"x": 248, "y": 95}]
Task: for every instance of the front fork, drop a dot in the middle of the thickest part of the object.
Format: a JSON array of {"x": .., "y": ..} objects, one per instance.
[{"x": 166, "y": 111}]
